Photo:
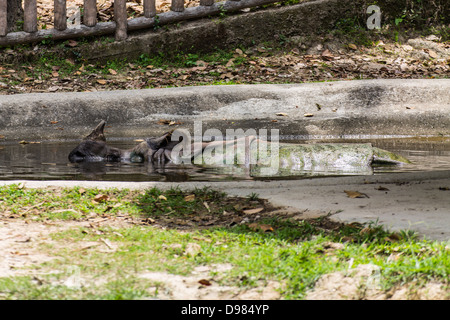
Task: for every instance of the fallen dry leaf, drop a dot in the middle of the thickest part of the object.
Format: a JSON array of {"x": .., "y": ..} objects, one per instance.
[
  {"x": 161, "y": 197},
  {"x": 18, "y": 253},
  {"x": 327, "y": 55},
  {"x": 163, "y": 121},
  {"x": 101, "y": 198},
  {"x": 380, "y": 188},
  {"x": 253, "y": 211},
  {"x": 260, "y": 227},
  {"x": 72, "y": 43},
  {"x": 53, "y": 88},
  {"x": 432, "y": 54},
  {"x": 28, "y": 142},
  {"x": 204, "y": 282},
  {"x": 189, "y": 198},
  {"x": 230, "y": 63},
  {"x": 355, "y": 194}
]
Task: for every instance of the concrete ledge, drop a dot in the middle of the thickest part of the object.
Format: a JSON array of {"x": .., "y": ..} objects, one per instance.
[{"x": 347, "y": 108}]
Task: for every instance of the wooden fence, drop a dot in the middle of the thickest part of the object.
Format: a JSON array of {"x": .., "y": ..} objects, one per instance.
[{"x": 121, "y": 24}]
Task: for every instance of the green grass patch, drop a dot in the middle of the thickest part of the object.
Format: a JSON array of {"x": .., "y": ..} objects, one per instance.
[{"x": 106, "y": 261}]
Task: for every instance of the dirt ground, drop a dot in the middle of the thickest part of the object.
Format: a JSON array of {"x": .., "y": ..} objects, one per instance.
[
  {"x": 20, "y": 240},
  {"x": 320, "y": 60}
]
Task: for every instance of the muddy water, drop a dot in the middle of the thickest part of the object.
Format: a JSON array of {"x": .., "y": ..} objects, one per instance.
[{"x": 48, "y": 161}]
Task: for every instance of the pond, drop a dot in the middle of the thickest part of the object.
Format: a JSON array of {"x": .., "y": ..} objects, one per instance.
[{"x": 48, "y": 161}]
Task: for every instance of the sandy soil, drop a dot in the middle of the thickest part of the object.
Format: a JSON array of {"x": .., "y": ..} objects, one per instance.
[{"x": 19, "y": 252}]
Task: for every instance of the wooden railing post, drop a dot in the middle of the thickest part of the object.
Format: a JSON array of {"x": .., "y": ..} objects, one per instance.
[
  {"x": 90, "y": 13},
  {"x": 60, "y": 12},
  {"x": 30, "y": 16},
  {"x": 149, "y": 8},
  {"x": 3, "y": 18},
  {"x": 177, "y": 5},
  {"x": 120, "y": 17},
  {"x": 206, "y": 2},
  {"x": 121, "y": 26}
]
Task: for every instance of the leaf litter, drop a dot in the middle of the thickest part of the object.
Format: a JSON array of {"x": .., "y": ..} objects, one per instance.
[{"x": 294, "y": 62}]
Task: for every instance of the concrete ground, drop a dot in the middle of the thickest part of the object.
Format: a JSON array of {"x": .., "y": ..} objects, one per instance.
[{"x": 419, "y": 201}]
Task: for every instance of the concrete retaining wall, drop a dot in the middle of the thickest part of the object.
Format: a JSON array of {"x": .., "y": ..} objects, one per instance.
[{"x": 367, "y": 107}]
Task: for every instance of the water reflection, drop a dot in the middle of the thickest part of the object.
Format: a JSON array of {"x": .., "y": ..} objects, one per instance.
[{"x": 134, "y": 171}]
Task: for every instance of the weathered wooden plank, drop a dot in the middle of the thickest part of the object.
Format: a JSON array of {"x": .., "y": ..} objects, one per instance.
[
  {"x": 90, "y": 13},
  {"x": 206, "y": 2},
  {"x": 120, "y": 17},
  {"x": 177, "y": 5},
  {"x": 106, "y": 28},
  {"x": 100, "y": 29},
  {"x": 3, "y": 18},
  {"x": 30, "y": 16},
  {"x": 149, "y": 8},
  {"x": 60, "y": 12}
]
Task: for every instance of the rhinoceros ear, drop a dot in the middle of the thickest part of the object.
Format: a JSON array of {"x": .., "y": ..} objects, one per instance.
[
  {"x": 97, "y": 133},
  {"x": 160, "y": 142}
]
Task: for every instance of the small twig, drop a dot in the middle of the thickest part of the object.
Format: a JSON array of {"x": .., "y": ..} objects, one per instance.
[
  {"x": 107, "y": 243},
  {"x": 32, "y": 207}
]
